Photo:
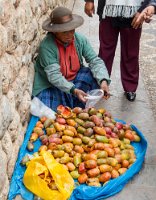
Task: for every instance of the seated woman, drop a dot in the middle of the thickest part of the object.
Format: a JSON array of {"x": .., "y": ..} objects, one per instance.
[{"x": 60, "y": 75}]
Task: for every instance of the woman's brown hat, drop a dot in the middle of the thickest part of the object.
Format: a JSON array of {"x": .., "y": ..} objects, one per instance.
[{"x": 61, "y": 19}]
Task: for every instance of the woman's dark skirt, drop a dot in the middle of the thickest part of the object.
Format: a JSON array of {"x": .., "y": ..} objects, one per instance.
[{"x": 53, "y": 97}]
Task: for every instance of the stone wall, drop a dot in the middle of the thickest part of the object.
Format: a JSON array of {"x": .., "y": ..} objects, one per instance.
[{"x": 21, "y": 32}]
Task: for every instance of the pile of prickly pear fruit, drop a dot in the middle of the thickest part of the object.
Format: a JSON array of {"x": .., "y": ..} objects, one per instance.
[{"x": 91, "y": 145}]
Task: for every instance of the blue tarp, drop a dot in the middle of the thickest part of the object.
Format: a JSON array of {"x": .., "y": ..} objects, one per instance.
[{"x": 82, "y": 192}]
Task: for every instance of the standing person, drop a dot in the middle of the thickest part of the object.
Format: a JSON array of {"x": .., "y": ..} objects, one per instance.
[
  {"x": 146, "y": 14},
  {"x": 60, "y": 75},
  {"x": 116, "y": 17}
]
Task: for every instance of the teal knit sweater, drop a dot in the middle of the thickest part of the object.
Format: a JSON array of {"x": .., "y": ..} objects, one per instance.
[{"x": 47, "y": 68}]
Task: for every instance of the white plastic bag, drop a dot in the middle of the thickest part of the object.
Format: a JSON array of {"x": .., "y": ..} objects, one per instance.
[
  {"x": 93, "y": 97},
  {"x": 39, "y": 109}
]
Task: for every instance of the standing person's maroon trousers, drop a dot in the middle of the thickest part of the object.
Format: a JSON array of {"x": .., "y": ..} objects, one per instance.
[{"x": 129, "y": 58}]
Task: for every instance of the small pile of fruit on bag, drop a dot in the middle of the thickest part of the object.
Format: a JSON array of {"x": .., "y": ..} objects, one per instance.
[{"x": 89, "y": 143}]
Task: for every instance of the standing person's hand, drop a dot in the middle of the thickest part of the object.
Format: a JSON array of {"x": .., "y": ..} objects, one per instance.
[
  {"x": 80, "y": 94},
  {"x": 89, "y": 9},
  {"x": 105, "y": 88},
  {"x": 135, "y": 23},
  {"x": 145, "y": 15},
  {"x": 150, "y": 10}
]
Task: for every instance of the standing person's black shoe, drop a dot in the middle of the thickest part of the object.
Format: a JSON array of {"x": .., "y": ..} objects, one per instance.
[{"x": 130, "y": 96}]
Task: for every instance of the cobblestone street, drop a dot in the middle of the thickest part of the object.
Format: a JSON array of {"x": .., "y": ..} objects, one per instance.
[{"x": 148, "y": 61}]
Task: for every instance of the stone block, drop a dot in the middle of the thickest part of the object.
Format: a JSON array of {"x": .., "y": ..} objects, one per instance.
[
  {"x": 3, "y": 39},
  {"x": 5, "y": 190},
  {"x": 15, "y": 127},
  {"x": 3, "y": 167},
  {"x": 7, "y": 145},
  {"x": 6, "y": 115},
  {"x": 12, "y": 161},
  {"x": 24, "y": 106},
  {"x": 11, "y": 67},
  {"x": 5, "y": 6}
]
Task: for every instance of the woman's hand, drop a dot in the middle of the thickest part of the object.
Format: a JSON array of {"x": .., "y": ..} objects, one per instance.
[
  {"x": 145, "y": 15},
  {"x": 89, "y": 9},
  {"x": 137, "y": 23},
  {"x": 105, "y": 88},
  {"x": 80, "y": 95}
]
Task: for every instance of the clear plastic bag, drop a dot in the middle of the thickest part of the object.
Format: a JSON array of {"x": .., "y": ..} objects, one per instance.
[
  {"x": 93, "y": 97},
  {"x": 39, "y": 109}
]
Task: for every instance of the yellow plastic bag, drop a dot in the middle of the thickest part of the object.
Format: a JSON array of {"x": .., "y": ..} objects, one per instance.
[{"x": 44, "y": 165}]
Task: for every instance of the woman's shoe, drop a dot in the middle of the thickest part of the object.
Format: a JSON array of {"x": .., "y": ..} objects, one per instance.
[{"x": 130, "y": 96}]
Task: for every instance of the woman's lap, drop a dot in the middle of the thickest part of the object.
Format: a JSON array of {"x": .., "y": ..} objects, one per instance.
[{"x": 52, "y": 97}]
